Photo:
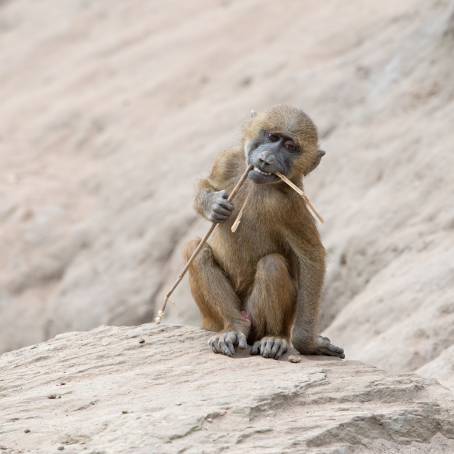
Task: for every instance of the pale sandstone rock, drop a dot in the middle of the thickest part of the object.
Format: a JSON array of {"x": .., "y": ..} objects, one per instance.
[
  {"x": 441, "y": 368},
  {"x": 158, "y": 389}
]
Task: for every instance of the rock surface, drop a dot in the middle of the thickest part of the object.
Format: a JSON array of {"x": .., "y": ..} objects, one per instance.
[
  {"x": 110, "y": 113},
  {"x": 159, "y": 389}
]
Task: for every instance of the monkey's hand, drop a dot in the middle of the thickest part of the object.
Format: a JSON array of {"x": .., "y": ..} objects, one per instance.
[
  {"x": 320, "y": 345},
  {"x": 227, "y": 342},
  {"x": 216, "y": 206},
  {"x": 270, "y": 347}
]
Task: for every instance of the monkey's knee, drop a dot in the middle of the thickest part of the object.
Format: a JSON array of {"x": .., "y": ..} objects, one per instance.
[
  {"x": 272, "y": 299},
  {"x": 274, "y": 278},
  {"x": 272, "y": 266},
  {"x": 204, "y": 255}
]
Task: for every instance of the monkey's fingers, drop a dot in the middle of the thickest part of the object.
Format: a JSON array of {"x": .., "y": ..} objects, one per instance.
[
  {"x": 270, "y": 347},
  {"x": 226, "y": 204},
  {"x": 231, "y": 340},
  {"x": 329, "y": 349},
  {"x": 218, "y": 345},
  {"x": 236, "y": 339},
  {"x": 221, "y": 211},
  {"x": 282, "y": 349},
  {"x": 255, "y": 350},
  {"x": 338, "y": 351},
  {"x": 215, "y": 217},
  {"x": 213, "y": 342},
  {"x": 326, "y": 351},
  {"x": 242, "y": 340},
  {"x": 275, "y": 348},
  {"x": 226, "y": 344},
  {"x": 267, "y": 347}
]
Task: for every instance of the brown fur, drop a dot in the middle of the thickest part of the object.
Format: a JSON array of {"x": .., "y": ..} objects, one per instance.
[{"x": 273, "y": 266}]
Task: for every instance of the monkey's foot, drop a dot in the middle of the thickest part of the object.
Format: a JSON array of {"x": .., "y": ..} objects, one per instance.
[
  {"x": 270, "y": 347},
  {"x": 226, "y": 342},
  {"x": 325, "y": 347},
  {"x": 321, "y": 346}
]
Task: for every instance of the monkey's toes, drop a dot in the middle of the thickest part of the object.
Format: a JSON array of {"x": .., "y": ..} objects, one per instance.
[
  {"x": 325, "y": 347},
  {"x": 270, "y": 347},
  {"x": 226, "y": 343}
]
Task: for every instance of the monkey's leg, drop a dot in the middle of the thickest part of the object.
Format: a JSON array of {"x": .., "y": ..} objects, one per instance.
[
  {"x": 271, "y": 306},
  {"x": 304, "y": 336},
  {"x": 217, "y": 301}
]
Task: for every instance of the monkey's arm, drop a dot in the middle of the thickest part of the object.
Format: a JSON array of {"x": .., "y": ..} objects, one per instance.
[
  {"x": 311, "y": 271},
  {"x": 211, "y": 203},
  {"x": 211, "y": 199}
]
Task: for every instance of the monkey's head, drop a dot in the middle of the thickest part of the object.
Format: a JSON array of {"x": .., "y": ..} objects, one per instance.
[{"x": 283, "y": 139}]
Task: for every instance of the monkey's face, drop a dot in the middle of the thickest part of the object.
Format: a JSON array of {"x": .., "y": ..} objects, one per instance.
[
  {"x": 269, "y": 153},
  {"x": 283, "y": 139}
]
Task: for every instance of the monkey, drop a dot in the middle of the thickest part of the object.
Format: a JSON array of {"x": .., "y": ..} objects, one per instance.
[{"x": 261, "y": 285}]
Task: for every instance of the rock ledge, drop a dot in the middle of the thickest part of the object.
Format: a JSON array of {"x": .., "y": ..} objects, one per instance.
[{"x": 158, "y": 389}]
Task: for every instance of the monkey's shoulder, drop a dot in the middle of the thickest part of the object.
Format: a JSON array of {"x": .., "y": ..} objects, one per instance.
[
  {"x": 296, "y": 220},
  {"x": 228, "y": 165}
]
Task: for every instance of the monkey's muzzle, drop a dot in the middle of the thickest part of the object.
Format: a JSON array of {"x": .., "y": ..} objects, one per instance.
[
  {"x": 266, "y": 161},
  {"x": 260, "y": 176}
]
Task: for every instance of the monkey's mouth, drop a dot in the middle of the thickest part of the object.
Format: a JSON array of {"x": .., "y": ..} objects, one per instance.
[
  {"x": 262, "y": 172},
  {"x": 261, "y": 176}
]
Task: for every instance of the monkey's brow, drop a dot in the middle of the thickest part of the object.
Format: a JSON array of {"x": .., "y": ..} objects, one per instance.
[{"x": 280, "y": 134}]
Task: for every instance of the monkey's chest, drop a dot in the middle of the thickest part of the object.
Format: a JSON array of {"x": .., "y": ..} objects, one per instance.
[{"x": 238, "y": 253}]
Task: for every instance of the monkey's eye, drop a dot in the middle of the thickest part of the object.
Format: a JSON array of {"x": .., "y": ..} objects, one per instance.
[
  {"x": 273, "y": 137},
  {"x": 290, "y": 145}
]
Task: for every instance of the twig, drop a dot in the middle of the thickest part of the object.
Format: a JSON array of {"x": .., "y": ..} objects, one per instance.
[
  {"x": 198, "y": 248},
  {"x": 240, "y": 215},
  {"x": 311, "y": 207}
]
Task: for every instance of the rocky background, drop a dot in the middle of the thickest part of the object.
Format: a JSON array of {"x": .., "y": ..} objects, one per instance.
[{"x": 111, "y": 111}]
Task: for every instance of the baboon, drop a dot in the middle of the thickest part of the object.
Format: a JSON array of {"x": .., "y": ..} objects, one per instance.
[{"x": 254, "y": 285}]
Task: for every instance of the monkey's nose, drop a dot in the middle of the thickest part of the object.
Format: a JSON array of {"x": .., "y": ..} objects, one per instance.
[{"x": 264, "y": 163}]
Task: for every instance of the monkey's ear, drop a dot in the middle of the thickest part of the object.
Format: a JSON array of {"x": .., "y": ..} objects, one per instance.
[
  {"x": 253, "y": 113},
  {"x": 319, "y": 157}
]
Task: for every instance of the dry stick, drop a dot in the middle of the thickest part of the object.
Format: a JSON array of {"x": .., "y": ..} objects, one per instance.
[
  {"x": 302, "y": 194},
  {"x": 198, "y": 248},
  {"x": 240, "y": 215}
]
